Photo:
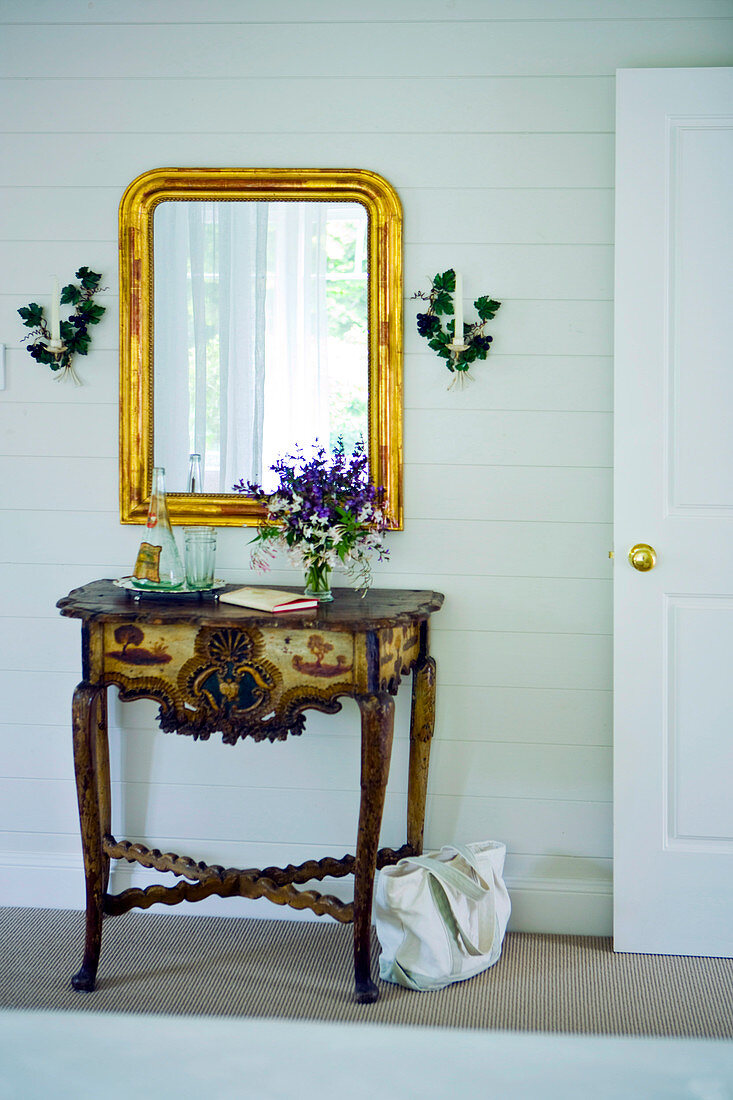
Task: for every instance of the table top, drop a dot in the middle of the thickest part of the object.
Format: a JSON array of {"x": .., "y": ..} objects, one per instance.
[{"x": 102, "y": 601}]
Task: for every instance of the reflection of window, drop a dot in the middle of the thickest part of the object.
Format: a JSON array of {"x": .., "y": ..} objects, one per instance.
[
  {"x": 346, "y": 296},
  {"x": 267, "y": 305}
]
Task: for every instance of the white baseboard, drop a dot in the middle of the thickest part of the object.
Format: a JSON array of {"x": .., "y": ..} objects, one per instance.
[{"x": 41, "y": 880}]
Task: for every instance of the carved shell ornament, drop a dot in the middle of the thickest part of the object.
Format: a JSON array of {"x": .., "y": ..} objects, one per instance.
[{"x": 472, "y": 342}]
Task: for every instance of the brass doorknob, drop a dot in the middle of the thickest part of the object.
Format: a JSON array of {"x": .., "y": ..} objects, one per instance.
[{"x": 643, "y": 557}]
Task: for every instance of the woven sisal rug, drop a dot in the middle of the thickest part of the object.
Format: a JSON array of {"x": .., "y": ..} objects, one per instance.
[{"x": 188, "y": 965}]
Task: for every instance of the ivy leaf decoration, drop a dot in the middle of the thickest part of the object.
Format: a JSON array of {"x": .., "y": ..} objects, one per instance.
[
  {"x": 71, "y": 294},
  {"x": 92, "y": 313},
  {"x": 446, "y": 281},
  {"x": 486, "y": 308},
  {"x": 443, "y": 302},
  {"x": 89, "y": 279},
  {"x": 32, "y": 315}
]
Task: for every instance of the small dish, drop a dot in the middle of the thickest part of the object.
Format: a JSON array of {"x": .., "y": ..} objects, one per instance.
[{"x": 130, "y": 585}]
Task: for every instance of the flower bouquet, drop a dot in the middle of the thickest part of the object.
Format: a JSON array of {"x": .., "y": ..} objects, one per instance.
[{"x": 324, "y": 512}]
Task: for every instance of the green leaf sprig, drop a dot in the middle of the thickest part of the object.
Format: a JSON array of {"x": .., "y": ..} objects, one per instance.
[
  {"x": 74, "y": 332},
  {"x": 430, "y": 324}
]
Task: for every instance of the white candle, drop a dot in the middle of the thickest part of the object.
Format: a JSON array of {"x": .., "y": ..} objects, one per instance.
[
  {"x": 458, "y": 310},
  {"x": 55, "y": 318}
]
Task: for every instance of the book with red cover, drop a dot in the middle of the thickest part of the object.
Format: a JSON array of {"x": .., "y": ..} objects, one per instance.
[{"x": 268, "y": 599}]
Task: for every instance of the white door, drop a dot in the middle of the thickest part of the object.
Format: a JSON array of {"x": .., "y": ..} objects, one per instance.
[{"x": 673, "y": 647}]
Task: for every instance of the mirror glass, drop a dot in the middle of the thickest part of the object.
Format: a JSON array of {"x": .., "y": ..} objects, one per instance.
[
  {"x": 260, "y": 335},
  {"x": 260, "y": 310}
]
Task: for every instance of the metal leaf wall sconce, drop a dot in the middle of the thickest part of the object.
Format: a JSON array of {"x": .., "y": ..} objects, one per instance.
[
  {"x": 472, "y": 342},
  {"x": 56, "y": 346}
]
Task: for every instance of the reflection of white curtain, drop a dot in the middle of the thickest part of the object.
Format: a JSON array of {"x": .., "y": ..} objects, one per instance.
[
  {"x": 242, "y": 287},
  {"x": 240, "y": 336},
  {"x": 297, "y": 330},
  {"x": 171, "y": 295}
]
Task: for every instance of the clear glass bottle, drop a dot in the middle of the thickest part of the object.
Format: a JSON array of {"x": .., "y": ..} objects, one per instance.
[
  {"x": 195, "y": 479},
  {"x": 158, "y": 563}
]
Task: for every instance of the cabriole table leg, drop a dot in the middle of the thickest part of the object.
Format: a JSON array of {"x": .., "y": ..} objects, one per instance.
[
  {"x": 377, "y": 728},
  {"x": 422, "y": 723},
  {"x": 87, "y": 720}
]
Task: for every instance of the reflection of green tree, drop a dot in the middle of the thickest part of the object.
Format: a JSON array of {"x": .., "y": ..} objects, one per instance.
[
  {"x": 347, "y": 307},
  {"x": 347, "y": 416},
  {"x": 346, "y": 302},
  {"x": 346, "y": 297},
  {"x": 341, "y": 245}
]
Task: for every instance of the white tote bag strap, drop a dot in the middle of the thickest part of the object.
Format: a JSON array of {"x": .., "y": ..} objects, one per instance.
[
  {"x": 442, "y": 872},
  {"x": 451, "y": 875}
]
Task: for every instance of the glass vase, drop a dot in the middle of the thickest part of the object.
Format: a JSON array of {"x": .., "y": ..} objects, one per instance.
[
  {"x": 158, "y": 564},
  {"x": 318, "y": 582}
]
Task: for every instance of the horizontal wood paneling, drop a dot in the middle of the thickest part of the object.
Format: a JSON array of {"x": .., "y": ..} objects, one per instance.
[
  {"x": 406, "y": 49},
  {"x": 521, "y": 328},
  {"x": 458, "y": 767},
  {"x": 571, "y": 716},
  {"x": 65, "y": 849},
  {"x": 187, "y": 812},
  {"x": 24, "y": 705},
  {"x": 534, "y": 382},
  {"x": 30, "y": 481},
  {"x": 570, "y": 215},
  {"x": 432, "y": 490},
  {"x": 104, "y": 337},
  {"x": 425, "y": 547},
  {"x": 546, "y": 605},
  {"x": 89, "y": 431},
  {"x": 546, "y": 271},
  {"x": 503, "y": 549},
  {"x": 28, "y": 381},
  {"x": 335, "y": 11},
  {"x": 524, "y": 715},
  {"x": 318, "y": 103},
  {"x": 494, "y": 121},
  {"x": 515, "y": 437},
  {"x": 555, "y": 605},
  {"x": 498, "y": 215},
  {"x": 63, "y": 257},
  {"x": 501, "y": 659},
  {"x": 549, "y": 493},
  {"x": 497, "y": 160}
]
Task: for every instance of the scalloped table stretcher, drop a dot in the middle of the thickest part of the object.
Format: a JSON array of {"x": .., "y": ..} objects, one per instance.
[{"x": 219, "y": 668}]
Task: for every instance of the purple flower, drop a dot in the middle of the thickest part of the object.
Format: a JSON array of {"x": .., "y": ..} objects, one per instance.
[{"x": 324, "y": 511}]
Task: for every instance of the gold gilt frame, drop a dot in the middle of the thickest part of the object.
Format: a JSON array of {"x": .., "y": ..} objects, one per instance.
[{"x": 136, "y": 324}]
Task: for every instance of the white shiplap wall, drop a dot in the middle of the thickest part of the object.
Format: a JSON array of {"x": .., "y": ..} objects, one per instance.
[{"x": 494, "y": 121}]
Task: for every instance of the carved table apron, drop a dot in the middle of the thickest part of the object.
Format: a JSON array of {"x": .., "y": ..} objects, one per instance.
[{"x": 219, "y": 668}]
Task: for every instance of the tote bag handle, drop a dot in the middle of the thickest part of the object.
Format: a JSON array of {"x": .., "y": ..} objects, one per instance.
[{"x": 441, "y": 872}]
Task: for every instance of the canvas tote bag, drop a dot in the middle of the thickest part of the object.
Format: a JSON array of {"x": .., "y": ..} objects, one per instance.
[{"x": 441, "y": 917}]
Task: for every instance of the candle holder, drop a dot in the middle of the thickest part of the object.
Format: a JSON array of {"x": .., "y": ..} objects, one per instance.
[
  {"x": 57, "y": 352},
  {"x": 476, "y": 342},
  {"x": 461, "y": 374},
  {"x": 65, "y": 369}
]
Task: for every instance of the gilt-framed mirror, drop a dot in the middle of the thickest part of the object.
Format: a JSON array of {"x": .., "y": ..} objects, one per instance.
[{"x": 260, "y": 309}]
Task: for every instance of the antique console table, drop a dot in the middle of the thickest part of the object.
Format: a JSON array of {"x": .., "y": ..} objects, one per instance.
[{"x": 218, "y": 668}]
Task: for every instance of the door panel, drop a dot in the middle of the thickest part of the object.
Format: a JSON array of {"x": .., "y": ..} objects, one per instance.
[{"x": 673, "y": 625}]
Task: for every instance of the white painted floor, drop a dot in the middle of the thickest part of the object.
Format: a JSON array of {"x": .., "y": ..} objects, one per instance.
[{"x": 55, "y": 1056}]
